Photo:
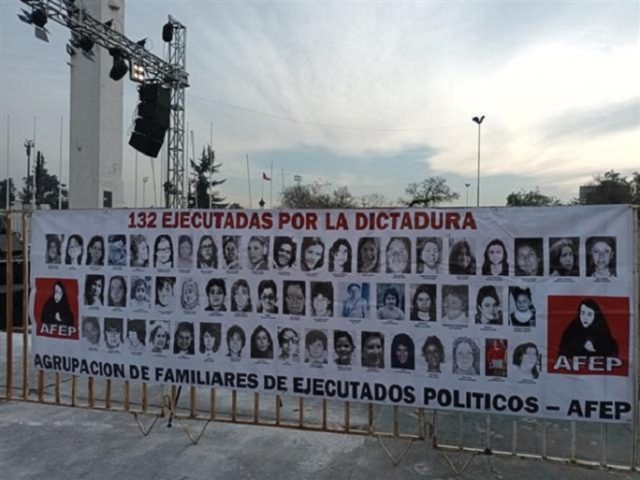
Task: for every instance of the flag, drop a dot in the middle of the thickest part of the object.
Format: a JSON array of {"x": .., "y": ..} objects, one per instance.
[{"x": 266, "y": 177}]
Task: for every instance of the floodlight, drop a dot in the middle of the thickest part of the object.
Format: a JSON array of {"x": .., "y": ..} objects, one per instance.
[
  {"x": 108, "y": 24},
  {"x": 136, "y": 72}
]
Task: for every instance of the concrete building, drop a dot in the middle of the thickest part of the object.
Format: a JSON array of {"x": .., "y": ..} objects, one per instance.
[{"x": 96, "y": 129}]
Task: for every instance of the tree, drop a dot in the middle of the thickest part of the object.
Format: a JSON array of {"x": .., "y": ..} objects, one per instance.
[
  {"x": 202, "y": 181},
  {"x": 430, "y": 192},
  {"x": 374, "y": 200},
  {"x": 3, "y": 193},
  {"x": 608, "y": 188},
  {"x": 532, "y": 198},
  {"x": 313, "y": 196},
  {"x": 47, "y": 188}
]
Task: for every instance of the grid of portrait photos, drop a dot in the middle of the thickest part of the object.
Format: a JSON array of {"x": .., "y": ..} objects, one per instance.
[{"x": 435, "y": 306}]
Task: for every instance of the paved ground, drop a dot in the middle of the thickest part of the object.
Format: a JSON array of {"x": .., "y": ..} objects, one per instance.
[{"x": 42, "y": 441}]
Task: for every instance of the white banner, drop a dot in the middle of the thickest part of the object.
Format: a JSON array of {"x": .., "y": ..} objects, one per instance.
[{"x": 524, "y": 311}]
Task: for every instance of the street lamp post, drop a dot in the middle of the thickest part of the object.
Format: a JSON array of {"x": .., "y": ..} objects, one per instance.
[
  {"x": 144, "y": 190},
  {"x": 478, "y": 120},
  {"x": 467, "y": 185}
]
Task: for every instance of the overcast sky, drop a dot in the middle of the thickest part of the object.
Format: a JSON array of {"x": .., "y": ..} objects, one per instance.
[{"x": 370, "y": 95}]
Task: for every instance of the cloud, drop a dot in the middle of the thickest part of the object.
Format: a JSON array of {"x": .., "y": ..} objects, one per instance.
[{"x": 587, "y": 123}]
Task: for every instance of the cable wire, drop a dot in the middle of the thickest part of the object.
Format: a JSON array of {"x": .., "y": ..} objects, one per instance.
[{"x": 317, "y": 124}]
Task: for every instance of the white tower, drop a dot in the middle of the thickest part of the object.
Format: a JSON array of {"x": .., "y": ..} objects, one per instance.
[{"x": 95, "y": 143}]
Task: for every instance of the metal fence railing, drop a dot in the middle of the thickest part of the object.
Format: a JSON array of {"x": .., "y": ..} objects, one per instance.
[{"x": 588, "y": 444}]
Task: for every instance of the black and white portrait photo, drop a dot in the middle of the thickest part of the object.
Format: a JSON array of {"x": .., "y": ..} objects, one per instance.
[
  {"x": 423, "y": 303},
  {"x": 185, "y": 252},
  {"x": 90, "y": 328},
  {"x": 140, "y": 298},
  {"x": 53, "y": 252},
  {"x": 529, "y": 260},
  {"x": 94, "y": 290},
  {"x": 284, "y": 253},
  {"x": 369, "y": 255},
  {"x": 289, "y": 344},
  {"x": 74, "y": 250},
  {"x": 295, "y": 298},
  {"x": 462, "y": 257},
  {"x": 117, "y": 255},
  {"x": 466, "y": 356},
  {"x": 236, "y": 340},
  {"x": 184, "y": 340},
  {"x": 165, "y": 293},
  {"x": 163, "y": 252},
  {"x": 207, "y": 256},
  {"x": 564, "y": 257},
  {"x": 455, "y": 304},
  {"x": 601, "y": 257},
  {"x": 258, "y": 252},
  {"x": 261, "y": 343},
  {"x": 267, "y": 297},
  {"x": 136, "y": 335},
  {"x": 139, "y": 251},
  {"x": 95, "y": 251},
  {"x": 231, "y": 252},
  {"x": 117, "y": 291},
  {"x": 340, "y": 256},
  {"x": 160, "y": 336},
  {"x": 390, "y": 301},
  {"x": 315, "y": 347},
  {"x": 113, "y": 333},
  {"x": 398, "y": 255},
  {"x": 522, "y": 312},
  {"x": 241, "y": 296},
  {"x": 321, "y": 299},
  {"x": 372, "y": 349},
  {"x": 312, "y": 254},
  {"x": 210, "y": 338},
  {"x": 189, "y": 294}
]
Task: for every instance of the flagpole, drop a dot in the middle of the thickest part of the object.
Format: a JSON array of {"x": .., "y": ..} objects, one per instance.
[
  {"x": 271, "y": 187},
  {"x": 249, "y": 181},
  {"x": 60, "y": 171},
  {"x": 8, "y": 183}
]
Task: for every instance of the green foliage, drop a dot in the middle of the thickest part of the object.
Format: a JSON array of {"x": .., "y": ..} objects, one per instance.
[
  {"x": 429, "y": 192},
  {"x": 611, "y": 188},
  {"x": 202, "y": 181},
  {"x": 532, "y": 198},
  {"x": 3, "y": 193},
  {"x": 46, "y": 187}
]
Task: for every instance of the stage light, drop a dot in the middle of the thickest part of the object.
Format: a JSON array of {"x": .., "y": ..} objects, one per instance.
[
  {"x": 86, "y": 43},
  {"x": 119, "y": 68},
  {"x": 39, "y": 17},
  {"x": 136, "y": 72}
]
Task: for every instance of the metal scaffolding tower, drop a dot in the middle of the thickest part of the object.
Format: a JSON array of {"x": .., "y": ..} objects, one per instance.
[
  {"x": 176, "y": 56},
  {"x": 86, "y": 31}
]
